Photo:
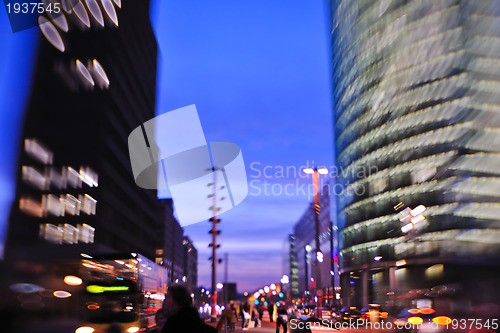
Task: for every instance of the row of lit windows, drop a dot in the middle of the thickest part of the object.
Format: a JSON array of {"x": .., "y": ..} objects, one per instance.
[
  {"x": 399, "y": 25},
  {"x": 62, "y": 205},
  {"x": 448, "y": 134},
  {"x": 410, "y": 58},
  {"x": 448, "y": 243},
  {"x": 434, "y": 114},
  {"x": 66, "y": 233}
]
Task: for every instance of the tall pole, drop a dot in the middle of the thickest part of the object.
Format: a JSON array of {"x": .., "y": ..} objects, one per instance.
[
  {"x": 317, "y": 271},
  {"x": 225, "y": 289},
  {"x": 306, "y": 269},
  {"x": 225, "y": 267},
  {"x": 214, "y": 246}
]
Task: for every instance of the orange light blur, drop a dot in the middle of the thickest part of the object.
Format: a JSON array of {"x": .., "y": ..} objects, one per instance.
[
  {"x": 92, "y": 306},
  {"x": 399, "y": 322},
  {"x": 72, "y": 280},
  {"x": 384, "y": 315},
  {"x": 415, "y": 320},
  {"x": 414, "y": 311},
  {"x": 427, "y": 311},
  {"x": 442, "y": 320},
  {"x": 352, "y": 308}
]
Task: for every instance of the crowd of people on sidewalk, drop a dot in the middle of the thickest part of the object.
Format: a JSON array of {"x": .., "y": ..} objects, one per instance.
[{"x": 178, "y": 315}]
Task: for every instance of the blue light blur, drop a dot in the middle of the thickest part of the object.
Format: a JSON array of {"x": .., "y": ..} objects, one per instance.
[{"x": 16, "y": 69}]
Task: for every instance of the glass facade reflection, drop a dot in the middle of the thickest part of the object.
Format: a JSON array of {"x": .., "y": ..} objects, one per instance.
[{"x": 417, "y": 120}]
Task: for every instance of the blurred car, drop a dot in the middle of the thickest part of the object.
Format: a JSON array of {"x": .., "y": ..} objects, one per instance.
[{"x": 348, "y": 314}]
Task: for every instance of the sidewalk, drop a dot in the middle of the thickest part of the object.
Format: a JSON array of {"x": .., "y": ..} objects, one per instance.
[{"x": 266, "y": 327}]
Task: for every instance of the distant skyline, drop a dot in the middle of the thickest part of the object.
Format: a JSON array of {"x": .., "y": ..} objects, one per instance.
[{"x": 258, "y": 73}]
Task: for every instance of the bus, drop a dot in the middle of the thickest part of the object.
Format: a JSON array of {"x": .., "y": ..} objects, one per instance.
[
  {"x": 126, "y": 290},
  {"x": 83, "y": 295}
]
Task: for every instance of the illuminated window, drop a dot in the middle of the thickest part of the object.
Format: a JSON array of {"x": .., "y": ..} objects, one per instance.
[
  {"x": 88, "y": 176},
  {"x": 110, "y": 10},
  {"x": 84, "y": 72},
  {"x": 81, "y": 13},
  {"x": 100, "y": 74},
  {"x": 73, "y": 178},
  {"x": 88, "y": 204},
  {"x": 37, "y": 151},
  {"x": 70, "y": 234},
  {"x": 31, "y": 206},
  {"x": 51, "y": 233},
  {"x": 53, "y": 205},
  {"x": 71, "y": 204},
  {"x": 34, "y": 177},
  {"x": 95, "y": 11},
  {"x": 85, "y": 233},
  {"x": 51, "y": 34}
]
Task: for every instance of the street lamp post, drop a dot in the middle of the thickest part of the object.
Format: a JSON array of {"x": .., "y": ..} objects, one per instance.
[
  {"x": 307, "y": 248},
  {"x": 214, "y": 220},
  {"x": 319, "y": 255}
]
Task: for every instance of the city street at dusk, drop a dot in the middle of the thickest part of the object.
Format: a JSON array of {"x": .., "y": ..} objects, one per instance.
[{"x": 296, "y": 166}]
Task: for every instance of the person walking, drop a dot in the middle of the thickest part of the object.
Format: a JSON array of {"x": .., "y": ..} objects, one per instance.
[
  {"x": 281, "y": 320},
  {"x": 233, "y": 318},
  {"x": 245, "y": 315},
  {"x": 270, "y": 309}
]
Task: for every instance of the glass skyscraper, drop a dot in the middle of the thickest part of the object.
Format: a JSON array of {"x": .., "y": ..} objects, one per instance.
[{"x": 416, "y": 105}]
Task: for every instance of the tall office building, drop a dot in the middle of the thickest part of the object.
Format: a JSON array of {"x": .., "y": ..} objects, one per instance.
[
  {"x": 95, "y": 81},
  {"x": 304, "y": 241},
  {"x": 291, "y": 268},
  {"x": 190, "y": 263},
  {"x": 416, "y": 123}
]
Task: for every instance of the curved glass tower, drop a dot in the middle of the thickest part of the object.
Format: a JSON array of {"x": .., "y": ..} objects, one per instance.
[{"x": 417, "y": 122}]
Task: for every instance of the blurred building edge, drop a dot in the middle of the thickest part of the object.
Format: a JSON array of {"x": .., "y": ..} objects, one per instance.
[
  {"x": 300, "y": 270},
  {"x": 417, "y": 122},
  {"x": 87, "y": 126},
  {"x": 190, "y": 263},
  {"x": 75, "y": 190},
  {"x": 291, "y": 268}
]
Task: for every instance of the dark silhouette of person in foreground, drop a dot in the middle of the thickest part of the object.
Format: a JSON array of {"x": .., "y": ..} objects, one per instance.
[{"x": 184, "y": 317}]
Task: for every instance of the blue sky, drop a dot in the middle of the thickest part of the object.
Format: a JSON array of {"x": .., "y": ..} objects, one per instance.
[
  {"x": 16, "y": 67},
  {"x": 258, "y": 73}
]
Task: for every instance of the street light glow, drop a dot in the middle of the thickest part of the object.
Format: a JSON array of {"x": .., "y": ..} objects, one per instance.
[
  {"x": 308, "y": 170},
  {"x": 285, "y": 279},
  {"x": 323, "y": 171},
  {"x": 319, "y": 256},
  {"x": 220, "y": 285},
  {"x": 72, "y": 280}
]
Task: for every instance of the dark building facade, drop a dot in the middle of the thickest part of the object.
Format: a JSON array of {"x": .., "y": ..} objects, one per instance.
[
  {"x": 416, "y": 123},
  {"x": 291, "y": 267},
  {"x": 170, "y": 248},
  {"x": 304, "y": 244},
  {"x": 190, "y": 263},
  {"x": 95, "y": 81}
]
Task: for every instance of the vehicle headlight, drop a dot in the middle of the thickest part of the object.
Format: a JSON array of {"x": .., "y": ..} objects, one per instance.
[
  {"x": 84, "y": 329},
  {"x": 133, "y": 329}
]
